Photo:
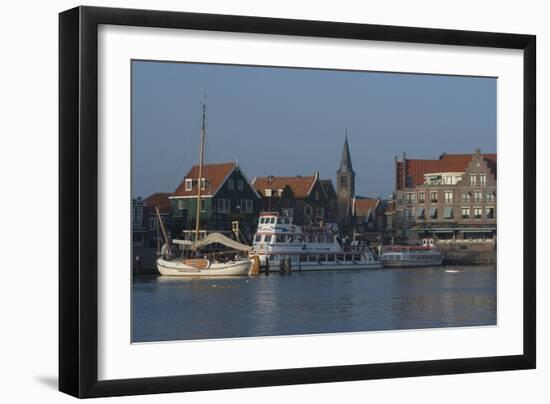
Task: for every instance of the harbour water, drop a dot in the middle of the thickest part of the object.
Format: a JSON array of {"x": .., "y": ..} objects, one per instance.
[{"x": 169, "y": 308}]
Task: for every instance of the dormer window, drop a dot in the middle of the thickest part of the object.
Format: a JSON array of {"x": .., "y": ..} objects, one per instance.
[
  {"x": 188, "y": 184},
  {"x": 203, "y": 183},
  {"x": 267, "y": 192}
]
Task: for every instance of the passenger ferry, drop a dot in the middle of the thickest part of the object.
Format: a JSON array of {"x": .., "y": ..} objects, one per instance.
[
  {"x": 306, "y": 248},
  {"x": 399, "y": 256}
]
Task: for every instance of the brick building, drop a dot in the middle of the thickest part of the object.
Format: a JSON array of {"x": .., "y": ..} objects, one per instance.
[{"x": 452, "y": 197}]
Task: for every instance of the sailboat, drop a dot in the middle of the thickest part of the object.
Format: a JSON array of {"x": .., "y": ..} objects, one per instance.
[{"x": 200, "y": 266}]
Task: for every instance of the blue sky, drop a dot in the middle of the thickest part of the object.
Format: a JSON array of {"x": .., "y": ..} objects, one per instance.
[{"x": 286, "y": 121}]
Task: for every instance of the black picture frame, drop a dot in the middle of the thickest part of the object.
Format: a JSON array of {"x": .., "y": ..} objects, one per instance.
[{"x": 78, "y": 201}]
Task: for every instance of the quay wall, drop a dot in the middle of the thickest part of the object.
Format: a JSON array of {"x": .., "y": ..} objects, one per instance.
[{"x": 468, "y": 252}]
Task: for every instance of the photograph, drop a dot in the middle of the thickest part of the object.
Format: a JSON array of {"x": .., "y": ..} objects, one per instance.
[{"x": 273, "y": 201}]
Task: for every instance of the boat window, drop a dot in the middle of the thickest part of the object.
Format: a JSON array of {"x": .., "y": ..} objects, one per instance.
[
  {"x": 279, "y": 221},
  {"x": 272, "y": 258},
  {"x": 339, "y": 257},
  {"x": 257, "y": 238},
  {"x": 348, "y": 257},
  {"x": 287, "y": 220},
  {"x": 262, "y": 220},
  {"x": 330, "y": 257},
  {"x": 303, "y": 258},
  {"x": 313, "y": 258},
  {"x": 280, "y": 238},
  {"x": 267, "y": 238},
  {"x": 357, "y": 257},
  {"x": 272, "y": 220}
]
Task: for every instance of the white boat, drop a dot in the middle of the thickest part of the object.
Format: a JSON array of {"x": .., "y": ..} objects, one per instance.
[
  {"x": 400, "y": 256},
  {"x": 203, "y": 267},
  {"x": 190, "y": 264},
  {"x": 306, "y": 248}
]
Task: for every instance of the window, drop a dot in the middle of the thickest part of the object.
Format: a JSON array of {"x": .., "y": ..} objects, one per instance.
[
  {"x": 181, "y": 204},
  {"x": 267, "y": 192},
  {"x": 188, "y": 184},
  {"x": 408, "y": 213},
  {"x": 231, "y": 184},
  {"x": 410, "y": 197},
  {"x": 477, "y": 213},
  {"x": 448, "y": 179},
  {"x": 289, "y": 212},
  {"x": 203, "y": 183},
  {"x": 482, "y": 180},
  {"x": 267, "y": 238},
  {"x": 240, "y": 185},
  {"x": 477, "y": 196},
  {"x": 448, "y": 196},
  {"x": 280, "y": 238},
  {"x": 246, "y": 206},
  {"x": 421, "y": 197},
  {"x": 224, "y": 205},
  {"x": 466, "y": 197},
  {"x": 490, "y": 213},
  {"x": 465, "y": 213},
  {"x": 203, "y": 205},
  {"x": 473, "y": 179},
  {"x": 433, "y": 196},
  {"x": 490, "y": 196}
]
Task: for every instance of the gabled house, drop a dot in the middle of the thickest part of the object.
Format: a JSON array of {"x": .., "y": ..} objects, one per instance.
[
  {"x": 226, "y": 196},
  {"x": 146, "y": 236},
  {"x": 307, "y": 199},
  {"x": 368, "y": 215}
]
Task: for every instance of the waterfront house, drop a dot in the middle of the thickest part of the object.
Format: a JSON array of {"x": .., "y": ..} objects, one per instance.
[
  {"x": 307, "y": 199},
  {"x": 146, "y": 236},
  {"x": 227, "y": 197},
  {"x": 369, "y": 216},
  {"x": 450, "y": 198}
]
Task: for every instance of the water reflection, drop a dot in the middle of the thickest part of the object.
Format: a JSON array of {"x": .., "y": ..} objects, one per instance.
[{"x": 171, "y": 308}]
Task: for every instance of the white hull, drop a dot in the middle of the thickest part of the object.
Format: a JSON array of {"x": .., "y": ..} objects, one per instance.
[
  {"x": 178, "y": 268},
  {"x": 274, "y": 267},
  {"x": 412, "y": 263}
]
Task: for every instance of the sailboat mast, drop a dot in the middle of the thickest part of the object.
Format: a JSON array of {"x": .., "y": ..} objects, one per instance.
[{"x": 199, "y": 180}]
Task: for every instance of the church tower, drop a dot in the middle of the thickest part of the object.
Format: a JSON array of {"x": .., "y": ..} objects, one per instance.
[{"x": 345, "y": 184}]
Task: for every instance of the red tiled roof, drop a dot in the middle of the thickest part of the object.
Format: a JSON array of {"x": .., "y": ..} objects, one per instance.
[
  {"x": 300, "y": 186},
  {"x": 214, "y": 175},
  {"x": 416, "y": 168},
  {"x": 363, "y": 206},
  {"x": 159, "y": 199}
]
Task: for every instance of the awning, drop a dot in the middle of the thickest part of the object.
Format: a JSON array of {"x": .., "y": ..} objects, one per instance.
[
  {"x": 477, "y": 231},
  {"x": 420, "y": 212},
  {"x": 433, "y": 212},
  {"x": 448, "y": 213},
  {"x": 221, "y": 239}
]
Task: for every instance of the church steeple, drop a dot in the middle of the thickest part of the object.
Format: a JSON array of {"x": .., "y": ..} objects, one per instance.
[
  {"x": 345, "y": 183},
  {"x": 345, "y": 162}
]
